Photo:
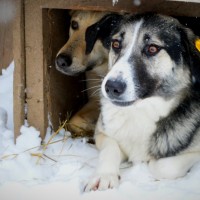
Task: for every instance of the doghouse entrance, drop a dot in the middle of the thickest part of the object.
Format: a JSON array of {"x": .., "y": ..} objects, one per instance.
[
  {"x": 40, "y": 30},
  {"x": 65, "y": 94}
]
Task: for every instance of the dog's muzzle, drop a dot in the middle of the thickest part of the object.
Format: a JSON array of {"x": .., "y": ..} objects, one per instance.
[
  {"x": 115, "y": 89},
  {"x": 63, "y": 61}
]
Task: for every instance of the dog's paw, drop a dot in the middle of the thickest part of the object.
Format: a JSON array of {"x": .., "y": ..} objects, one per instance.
[
  {"x": 81, "y": 126},
  {"x": 102, "y": 182}
]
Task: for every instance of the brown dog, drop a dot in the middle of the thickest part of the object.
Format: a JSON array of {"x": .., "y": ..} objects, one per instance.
[{"x": 86, "y": 54}]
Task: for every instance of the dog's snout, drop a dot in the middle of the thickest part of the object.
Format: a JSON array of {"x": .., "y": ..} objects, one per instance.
[
  {"x": 63, "y": 60},
  {"x": 115, "y": 88}
]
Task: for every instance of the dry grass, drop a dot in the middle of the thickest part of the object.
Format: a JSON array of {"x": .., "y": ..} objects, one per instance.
[{"x": 42, "y": 155}]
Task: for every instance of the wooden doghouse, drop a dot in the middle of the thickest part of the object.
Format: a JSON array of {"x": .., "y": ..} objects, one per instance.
[{"x": 42, "y": 94}]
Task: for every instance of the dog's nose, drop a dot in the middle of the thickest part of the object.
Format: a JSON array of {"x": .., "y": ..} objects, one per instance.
[
  {"x": 115, "y": 88},
  {"x": 63, "y": 60}
]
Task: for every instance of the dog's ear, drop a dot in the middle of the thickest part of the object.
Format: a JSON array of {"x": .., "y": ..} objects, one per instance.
[
  {"x": 101, "y": 30},
  {"x": 192, "y": 55}
]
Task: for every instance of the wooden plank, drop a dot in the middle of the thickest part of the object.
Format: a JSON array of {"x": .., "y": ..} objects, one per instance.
[
  {"x": 6, "y": 37},
  {"x": 35, "y": 71},
  {"x": 6, "y": 50},
  {"x": 178, "y": 8},
  {"x": 19, "y": 72},
  {"x": 103, "y": 5}
]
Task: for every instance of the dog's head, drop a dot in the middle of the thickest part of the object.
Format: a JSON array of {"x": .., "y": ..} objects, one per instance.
[
  {"x": 72, "y": 58},
  {"x": 151, "y": 55},
  {"x": 75, "y": 56}
]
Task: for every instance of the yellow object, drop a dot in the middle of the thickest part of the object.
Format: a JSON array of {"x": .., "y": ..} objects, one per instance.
[{"x": 197, "y": 44}]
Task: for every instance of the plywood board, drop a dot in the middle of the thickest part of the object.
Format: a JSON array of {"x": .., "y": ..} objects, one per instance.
[
  {"x": 178, "y": 8},
  {"x": 6, "y": 36},
  {"x": 19, "y": 72}
]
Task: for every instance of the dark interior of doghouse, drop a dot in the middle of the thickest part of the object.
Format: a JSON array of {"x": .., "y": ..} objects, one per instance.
[
  {"x": 65, "y": 93},
  {"x": 191, "y": 22}
]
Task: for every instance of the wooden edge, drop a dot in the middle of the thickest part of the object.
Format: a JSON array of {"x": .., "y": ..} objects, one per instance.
[
  {"x": 19, "y": 71},
  {"x": 103, "y": 5},
  {"x": 36, "y": 70},
  {"x": 6, "y": 40},
  {"x": 176, "y": 8}
]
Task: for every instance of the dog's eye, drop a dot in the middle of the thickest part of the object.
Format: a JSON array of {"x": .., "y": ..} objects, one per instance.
[
  {"x": 74, "y": 25},
  {"x": 152, "y": 50},
  {"x": 116, "y": 45}
]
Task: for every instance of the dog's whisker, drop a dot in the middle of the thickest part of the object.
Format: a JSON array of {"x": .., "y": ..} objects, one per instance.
[
  {"x": 97, "y": 86},
  {"x": 96, "y": 92},
  {"x": 95, "y": 82},
  {"x": 101, "y": 76},
  {"x": 91, "y": 80}
]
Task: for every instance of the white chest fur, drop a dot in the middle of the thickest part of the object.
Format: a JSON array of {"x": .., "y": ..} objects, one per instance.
[{"x": 133, "y": 125}]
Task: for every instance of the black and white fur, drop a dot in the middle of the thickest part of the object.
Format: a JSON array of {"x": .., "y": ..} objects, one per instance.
[{"x": 150, "y": 104}]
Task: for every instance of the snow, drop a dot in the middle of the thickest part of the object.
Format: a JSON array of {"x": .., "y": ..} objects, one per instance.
[
  {"x": 6, "y": 95},
  {"x": 135, "y": 2},
  {"x": 114, "y": 2},
  {"x": 29, "y": 170}
]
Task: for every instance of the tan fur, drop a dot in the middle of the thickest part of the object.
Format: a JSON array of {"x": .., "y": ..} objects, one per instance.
[{"x": 86, "y": 118}]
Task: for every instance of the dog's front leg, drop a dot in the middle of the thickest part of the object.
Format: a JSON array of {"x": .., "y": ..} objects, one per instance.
[
  {"x": 84, "y": 121},
  {"x": 107, "y": 173},
  {"x": 173, "y": 167}
]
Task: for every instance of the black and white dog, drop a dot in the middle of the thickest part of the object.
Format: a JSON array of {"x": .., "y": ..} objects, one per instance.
[{"x": 150, "y": 104}]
